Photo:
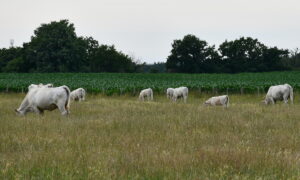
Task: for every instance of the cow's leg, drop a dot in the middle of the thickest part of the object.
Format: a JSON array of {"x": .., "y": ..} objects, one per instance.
[
  {"x": 63, "y": 110},
  {"x": 82, "y": 97},
  {"x": 41, "y": 111},
  {"x": 272, "y": 100},
  {"x": 61, "y": 106},
  {"x": 37, "y": 110},
  {"x": 285, "y": 99}
]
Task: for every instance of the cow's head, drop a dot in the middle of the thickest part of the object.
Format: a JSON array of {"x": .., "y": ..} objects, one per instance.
[
  {"x": 20, "y": 113},
  {"x": 17, "y": 112},
  {"x": 265, "y": 102},
  {"x": 206, "y": 103}
]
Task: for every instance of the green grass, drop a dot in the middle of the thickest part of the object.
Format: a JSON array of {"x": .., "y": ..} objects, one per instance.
[
  {"x": 122, "y": 83},
  {"x": 118, "y": 137}
]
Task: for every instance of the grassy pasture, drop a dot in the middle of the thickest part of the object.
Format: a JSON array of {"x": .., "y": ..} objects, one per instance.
[{"x": 118, "y": 137}]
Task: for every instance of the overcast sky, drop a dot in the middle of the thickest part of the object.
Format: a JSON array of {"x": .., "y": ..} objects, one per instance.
[{"x": 146, "y": 29}]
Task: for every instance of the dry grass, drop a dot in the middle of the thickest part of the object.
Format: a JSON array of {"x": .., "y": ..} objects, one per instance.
[{"x": 122, "y": 138}]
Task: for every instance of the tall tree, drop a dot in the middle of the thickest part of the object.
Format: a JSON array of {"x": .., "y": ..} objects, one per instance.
[
  {"x": 243, "y": 54},
  {"x": 273, "y": 59},
  {"x": 250, "y": 55},
  {"x": 190, "y": 55},
  {"x": 55, "y": 47}
]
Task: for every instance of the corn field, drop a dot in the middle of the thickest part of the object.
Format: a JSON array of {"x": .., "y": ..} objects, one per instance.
[{"x": 121, "y": 83}]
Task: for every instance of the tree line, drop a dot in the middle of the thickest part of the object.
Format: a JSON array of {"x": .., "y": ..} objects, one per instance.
[
  {"x": 55, "y": 47},
  {"x": 192, "y": 55}
]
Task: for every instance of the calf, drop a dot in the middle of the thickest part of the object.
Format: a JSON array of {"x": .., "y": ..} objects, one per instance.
[
  {"x": 180, "y": 92},
  {"x": 146, "y": 93},
  {"x": 78, "y": 94},
  {"x": 218, "y": 101},
  {"x": 170, "y": 92}
]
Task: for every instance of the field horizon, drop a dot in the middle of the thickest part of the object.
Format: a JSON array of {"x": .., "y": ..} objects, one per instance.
[{"x": 119, "y": 137}]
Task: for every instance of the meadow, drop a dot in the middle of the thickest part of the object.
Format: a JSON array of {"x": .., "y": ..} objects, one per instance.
[{"x": 119, "y": 137}]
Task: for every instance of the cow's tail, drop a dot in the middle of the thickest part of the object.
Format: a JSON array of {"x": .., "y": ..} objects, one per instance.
[
  {"x": 67, "y": 104},
  {"x": 227, "y": 99}
]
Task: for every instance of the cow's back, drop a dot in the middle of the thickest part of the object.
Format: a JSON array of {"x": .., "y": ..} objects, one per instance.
[{"x": 48, "y": 96}]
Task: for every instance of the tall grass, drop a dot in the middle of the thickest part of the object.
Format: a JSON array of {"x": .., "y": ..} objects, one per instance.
[{"x": 122, "y": 138}]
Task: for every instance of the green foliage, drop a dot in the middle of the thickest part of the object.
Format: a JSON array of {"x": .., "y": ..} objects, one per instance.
[
  {"x": 108, "y": 59},
  {"x": 120, "y": 83},
  {"x": 55, "y": 47},
  {"x": 293, "y": 61},
  {"x": 250, "y": 55},
  {"x": 243, "y": 54},
  {"x": 191, "y": 55},
  {"x": 8, "y": 55},
  {"x": 15, "y": 65},
  {"x": 159, "y": 67}
]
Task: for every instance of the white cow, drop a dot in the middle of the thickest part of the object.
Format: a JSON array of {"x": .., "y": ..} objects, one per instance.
[
  {"x": 279, "y": 93},
  {"x": 218, "y": 101},
  {"x": 170, "y": 92},
  {"x": 78, "y": 94},
  {"x": 43, "y": 98},
  {"x": 146, "y": 93},
  {"x": 180, "y": 92},
  {"x": 31, "y": 86}
]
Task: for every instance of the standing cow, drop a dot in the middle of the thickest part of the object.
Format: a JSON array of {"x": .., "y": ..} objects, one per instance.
[
  {"x": 218, "y": 101},
  {"x": 78, "y": 94},
  {"x": 181, "y": 92},
  {"x": 146, "y": 93},
  {"x": 279, "y": 93},
  {"x": 170, "y": 92},
  {"x": 39, "y": 99}
]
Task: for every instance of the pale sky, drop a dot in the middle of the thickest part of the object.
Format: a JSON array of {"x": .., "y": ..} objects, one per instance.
[{"x": 146, "y": 29}]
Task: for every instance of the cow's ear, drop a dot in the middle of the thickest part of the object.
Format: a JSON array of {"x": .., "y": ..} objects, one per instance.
[{"x": 16, "y": 110}]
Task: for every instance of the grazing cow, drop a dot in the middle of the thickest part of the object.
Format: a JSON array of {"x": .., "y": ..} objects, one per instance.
[
  {"x": 170, "y": 92},
  {"x": 39, "y": 99},
  {"x": 218, "y": 101},
  {"x": 146, "y": 93},
  {"x": 78, "y": 95},
  {"x": 31, "y": 86},
  {"x": 279, "y": 93},
  {"x": 180, "y": 92}
]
